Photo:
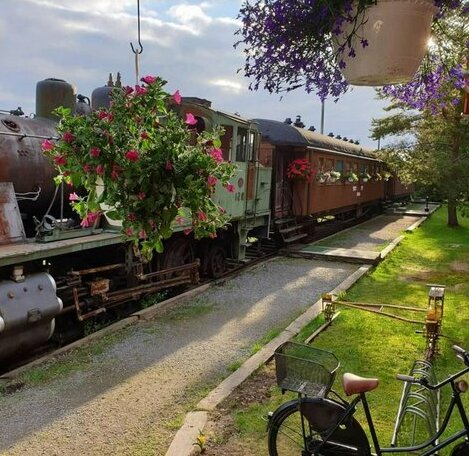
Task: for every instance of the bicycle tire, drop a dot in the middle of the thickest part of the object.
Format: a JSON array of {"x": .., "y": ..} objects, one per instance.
[
  {"x": 461, "y": 450},
  {"x": 285, "y": 436}
]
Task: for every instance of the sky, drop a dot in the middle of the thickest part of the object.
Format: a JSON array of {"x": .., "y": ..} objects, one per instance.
[{"x": 188, "y": 43}]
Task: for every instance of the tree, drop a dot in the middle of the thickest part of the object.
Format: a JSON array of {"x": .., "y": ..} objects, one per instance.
[{"x": 434, "y": 149}]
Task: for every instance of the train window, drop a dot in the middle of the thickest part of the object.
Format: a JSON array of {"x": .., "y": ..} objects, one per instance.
[
  {"x": 348, "y": 166},
  {"x": 241, "y": 144},
  {"x": 226, "y": 142},
  {"x": 339, "y": 165},
  {"x": 252, "y": 146},
  {"x": 321, "y": 163},
  {"x": 355, "y": 168},
  {"x": 329, "y": 164}
]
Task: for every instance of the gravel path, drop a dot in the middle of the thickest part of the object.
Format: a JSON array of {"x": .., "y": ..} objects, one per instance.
[{"x": 130, "y": 398}]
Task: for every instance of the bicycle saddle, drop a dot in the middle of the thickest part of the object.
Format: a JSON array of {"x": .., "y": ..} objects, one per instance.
[{"x": 353, "y": 384}]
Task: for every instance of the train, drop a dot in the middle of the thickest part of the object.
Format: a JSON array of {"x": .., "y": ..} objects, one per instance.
[{"x": 56, "y": 275}]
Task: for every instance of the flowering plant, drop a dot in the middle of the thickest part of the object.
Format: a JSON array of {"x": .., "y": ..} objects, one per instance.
[
  {"x": 301, "y": 168},
  {"x": 351, "y": 176},
  {"x": 152, "y": 171},
  {"x": 290, "y": 43},
  {"x": 365, "y": 176},
  {"x": 334, "y": 175}
]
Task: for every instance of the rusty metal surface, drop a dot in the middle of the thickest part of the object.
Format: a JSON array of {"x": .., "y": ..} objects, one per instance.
[
  {"x": 11, "y": 226},
  {"x": 22, "y": 161},
  {"x": 99, "y": 287}
]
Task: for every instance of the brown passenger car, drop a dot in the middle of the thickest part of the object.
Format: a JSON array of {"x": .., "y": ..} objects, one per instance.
[{"x": 325, "y": 196}]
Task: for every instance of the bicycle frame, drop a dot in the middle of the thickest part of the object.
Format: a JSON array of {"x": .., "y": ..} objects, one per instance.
[{"x": 455, "y": 402}]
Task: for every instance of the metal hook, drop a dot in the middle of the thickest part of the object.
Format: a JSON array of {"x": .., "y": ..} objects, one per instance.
[{"x": 138, "y": 51}]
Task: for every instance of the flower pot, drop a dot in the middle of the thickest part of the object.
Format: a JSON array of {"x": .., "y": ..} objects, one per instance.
[{"x": 397, "y": 32}]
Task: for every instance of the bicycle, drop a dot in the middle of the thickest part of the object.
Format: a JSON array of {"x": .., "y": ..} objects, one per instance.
[{"x": 322, "y": 426}]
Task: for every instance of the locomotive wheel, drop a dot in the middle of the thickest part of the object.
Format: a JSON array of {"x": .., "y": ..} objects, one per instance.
[
  {"x": 216, "y": 265},
  {"x": 177, "y": 252}
]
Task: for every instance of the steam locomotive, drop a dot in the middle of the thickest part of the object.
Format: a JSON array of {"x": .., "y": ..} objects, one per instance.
[{"x": 54, "y": 271}]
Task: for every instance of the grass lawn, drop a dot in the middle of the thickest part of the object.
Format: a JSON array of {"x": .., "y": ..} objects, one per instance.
[{"x": 371, "y": 345}]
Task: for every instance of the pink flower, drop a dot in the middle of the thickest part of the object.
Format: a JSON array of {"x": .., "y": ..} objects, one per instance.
[
  {"x": 139, "y": 90},
  {"x": 148, "y": 79},
  {"x": 230, "y": 188},
  {"x": 47, "y": 145},
  {"x": 102, "y": 115},
  {"x": 90, "y": 219},
  {"x": 68, "y": 137},
  {"x": 212, "y": 235},
  {"x": 179, "y": 220},
  {"x": 141, "y": 196},
  {"x": 132, "y": 217},
  {"x": 132, "y": 155},
  {"x": 87, "y": 168},
  {"x": 144, "y": 135},
  {"x": 142, "y": 234},
  {"x": 222, "y": 210},
  {"x": 73, "y": 197},
  {"x": 129, "y": 231},
  {"x": 212, "y": 180},
  {"x": 128, "y": 90},
  {"x": 60, "y": 160},
  {"x": 169, "y": 166},
  {"x": 217, "y": 155},
  {"x": 177, "y": 97},
  {"x": 100, "y": 170},
  {"x": 202, "y": 216},
  {"x": 187, "y": 231},
  {"x": 152, "y": 224},
  {"x": 95, "y": 152},
  {"x": 190, "y": 119},
  {"x": 116, "y": 170}
]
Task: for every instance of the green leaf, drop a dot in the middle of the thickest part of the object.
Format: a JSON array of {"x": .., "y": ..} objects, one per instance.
[
  {"x": 113, "y": 215},
  {"x": 159, "y": 246}
]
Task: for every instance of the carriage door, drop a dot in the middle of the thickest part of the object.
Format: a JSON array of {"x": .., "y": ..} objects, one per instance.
[{"x": 283, "y": 194}]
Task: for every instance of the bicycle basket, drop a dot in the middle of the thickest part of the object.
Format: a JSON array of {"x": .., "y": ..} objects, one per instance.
[{"x": 304, "y": 369}]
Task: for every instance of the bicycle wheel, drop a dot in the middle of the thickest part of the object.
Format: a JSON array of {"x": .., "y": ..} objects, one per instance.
[
  {"x": 461, "y": 450},
  {"x": 286, "y": 436}
]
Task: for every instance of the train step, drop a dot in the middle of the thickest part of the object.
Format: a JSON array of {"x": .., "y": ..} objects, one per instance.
[
  {"x": 295, "y": 238},
  {"x": 290, "y": 229}
]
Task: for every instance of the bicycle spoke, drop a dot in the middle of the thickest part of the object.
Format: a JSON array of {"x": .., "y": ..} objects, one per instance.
[{"x": 290, "y": 437}]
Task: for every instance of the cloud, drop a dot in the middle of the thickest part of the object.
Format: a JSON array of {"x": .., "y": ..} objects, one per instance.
[
  {"x": 228, "y": 85},
  {"x": 191, "y": 16}
]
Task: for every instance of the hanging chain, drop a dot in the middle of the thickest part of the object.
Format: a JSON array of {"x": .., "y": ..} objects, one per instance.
[{"x": 139, "y": 50}]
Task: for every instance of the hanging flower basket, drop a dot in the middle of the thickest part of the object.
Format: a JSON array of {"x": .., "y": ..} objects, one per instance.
[
  {"x": 301, "y": 168},
  {"x": 390, "y": 43}
]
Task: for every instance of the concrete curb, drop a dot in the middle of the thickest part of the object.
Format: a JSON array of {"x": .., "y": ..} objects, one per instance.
[
  {"x": 415, "y": 225},
  {"x": 187, "y": 435}
]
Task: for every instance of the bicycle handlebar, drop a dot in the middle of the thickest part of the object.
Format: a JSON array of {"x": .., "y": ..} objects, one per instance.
[{"x": 460, "y": 353}]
